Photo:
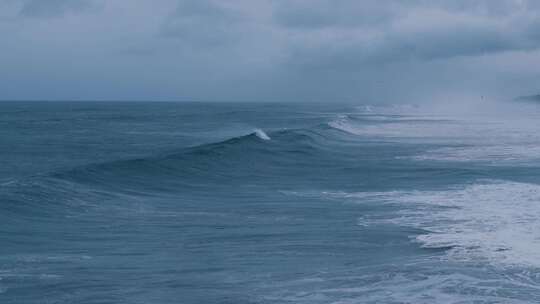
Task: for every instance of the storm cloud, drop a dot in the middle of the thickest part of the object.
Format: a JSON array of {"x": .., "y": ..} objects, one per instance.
[
  {"x": 268, "y": 50},
  {"x": 53, "y": 8}
]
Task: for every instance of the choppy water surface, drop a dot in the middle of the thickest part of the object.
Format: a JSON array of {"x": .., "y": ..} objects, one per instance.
[{"x": 268, "y": 203}]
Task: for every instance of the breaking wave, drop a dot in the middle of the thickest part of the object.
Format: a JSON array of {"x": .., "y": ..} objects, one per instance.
[{"x": 494, "y": 221}]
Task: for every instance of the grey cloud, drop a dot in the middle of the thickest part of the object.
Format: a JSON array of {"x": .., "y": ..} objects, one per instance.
[
  {"x": 416, "y": 32},
  {"x": 267, "y": 49},
  {"x": 495, "y": 8},
  {"x": 318, "y": 14},
  {"x": 54, "y": 8},
  {"x": 203, "y": 23}
]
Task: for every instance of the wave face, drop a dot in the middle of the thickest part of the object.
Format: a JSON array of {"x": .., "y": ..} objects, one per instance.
[{"x": 267, "y": 203}]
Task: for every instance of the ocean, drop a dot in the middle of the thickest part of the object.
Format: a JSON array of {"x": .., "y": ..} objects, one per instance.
[{"x": 246, "y": 203}]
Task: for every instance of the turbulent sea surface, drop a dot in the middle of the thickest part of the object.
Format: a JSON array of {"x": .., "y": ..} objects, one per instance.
[{"x": 268, "y": 203}]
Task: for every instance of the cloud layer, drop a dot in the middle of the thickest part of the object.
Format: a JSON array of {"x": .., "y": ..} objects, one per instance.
[{"x": 261, "y": 50}]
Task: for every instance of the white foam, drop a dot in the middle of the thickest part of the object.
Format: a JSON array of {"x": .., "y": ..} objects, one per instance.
[
  {"x": 459, "y": 138},
  {"x": 405, "y": 128},
  {"x": 495, "y": 221},
  {"x": 499, "y": 153},
  {"x": 389, "y": 109},
  {"x": 422, "y": 290},
  {"x": 261, "y": 134},
  {"x": 400, "y": 287}
]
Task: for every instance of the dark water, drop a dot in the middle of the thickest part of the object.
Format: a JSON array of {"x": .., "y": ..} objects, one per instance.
[{"x": 266, "y": 203}]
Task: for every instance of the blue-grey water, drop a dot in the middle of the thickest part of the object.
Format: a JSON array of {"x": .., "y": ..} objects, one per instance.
[{"x": 268, "y": 203}]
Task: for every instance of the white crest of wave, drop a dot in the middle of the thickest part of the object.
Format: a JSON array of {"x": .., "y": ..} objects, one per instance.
[
  {"x": 389, "y": 109},
  {"x": 473, "y": 137},
  {"x": 500, "y": 154},
  {"x": 343, "y": 123},
  {"x": 403, "y": 128},
  {"x": 495, "y": 221},
  {"x": 261, "y": 134}
]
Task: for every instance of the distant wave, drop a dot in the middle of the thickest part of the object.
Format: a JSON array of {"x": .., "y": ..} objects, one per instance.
[
  {"x": 385, "y": 127},
  {"x": 502, "y": 154}
]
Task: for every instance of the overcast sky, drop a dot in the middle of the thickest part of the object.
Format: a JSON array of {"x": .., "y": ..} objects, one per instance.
[{"x": 268, "y": 50}]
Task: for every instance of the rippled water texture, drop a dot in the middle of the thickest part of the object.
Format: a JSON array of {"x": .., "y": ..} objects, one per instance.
[{"x": 268, "y": 203}]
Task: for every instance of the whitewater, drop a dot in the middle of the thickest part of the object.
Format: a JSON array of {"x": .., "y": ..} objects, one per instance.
[{"x": 269, "y": 203}]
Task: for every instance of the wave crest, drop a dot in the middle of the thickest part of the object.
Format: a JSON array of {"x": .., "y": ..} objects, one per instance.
[{"x": 261, "y": 134}]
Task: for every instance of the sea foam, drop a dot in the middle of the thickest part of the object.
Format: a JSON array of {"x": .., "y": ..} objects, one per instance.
[
  {"x": 492, "y": 221},
  {"x": 495, "y": 154}
]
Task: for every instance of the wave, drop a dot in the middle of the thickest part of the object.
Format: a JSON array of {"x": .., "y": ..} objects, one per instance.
[
  {"x": 491, "y": 221},
  {"x": 190, "y": 170},
  {"x": 502, "y": 154},
  {"x": 261, "y": 134},
  {"x": 404, "y": 128},
  {"x": 294, "y": 156}
]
